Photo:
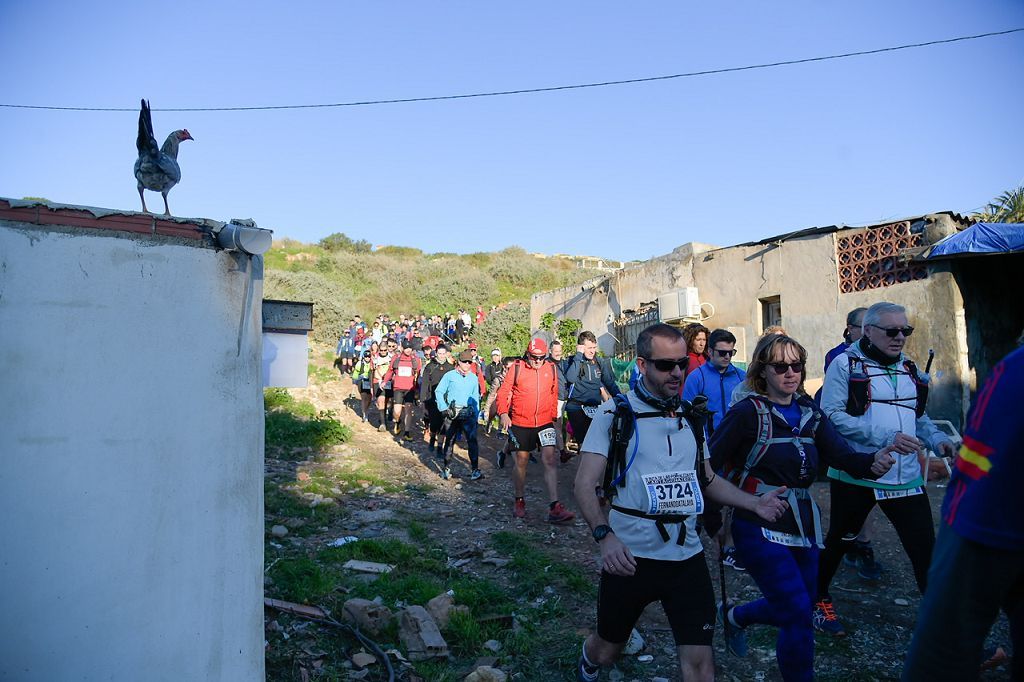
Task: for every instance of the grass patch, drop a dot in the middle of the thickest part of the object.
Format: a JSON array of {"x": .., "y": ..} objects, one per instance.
[
  {"x": 291, "y": 424},
  {"x": 534, "y": 569},
  {"x": 302, "y": 580},
  {"x": 321, "y": 375}
]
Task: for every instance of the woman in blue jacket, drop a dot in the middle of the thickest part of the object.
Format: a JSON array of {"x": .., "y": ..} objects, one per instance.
[{"x": 775, "y": 436}]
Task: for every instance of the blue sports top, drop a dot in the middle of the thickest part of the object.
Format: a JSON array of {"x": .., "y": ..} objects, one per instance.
[{"x": 984, "y": 501}]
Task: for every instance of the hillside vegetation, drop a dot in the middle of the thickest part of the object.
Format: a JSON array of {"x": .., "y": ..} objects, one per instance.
[{"x": 343, "y": 278}]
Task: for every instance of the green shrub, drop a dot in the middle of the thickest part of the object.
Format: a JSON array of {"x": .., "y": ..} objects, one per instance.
[
  {"x": 507, "y": 328},
  {"x": 339, "y": 241}
]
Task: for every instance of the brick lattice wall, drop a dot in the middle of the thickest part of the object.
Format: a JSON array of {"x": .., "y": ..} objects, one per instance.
[{"x": 869, "y": 259}]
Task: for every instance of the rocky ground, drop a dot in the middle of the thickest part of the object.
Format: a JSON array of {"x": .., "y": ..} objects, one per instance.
[{"x": 377, "y": 487}]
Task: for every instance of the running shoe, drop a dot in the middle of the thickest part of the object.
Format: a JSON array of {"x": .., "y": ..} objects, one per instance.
[
  {"x": 862, "y": 557},
  {"x": 586, "y": 673},
  {"x": 731, "y": 560},
  {"x": 501, "y": 458},
  {"x": 564, "y": 456},
  {"x": 825, "y": 619},
  {"x": 446, "y": 473},
  {"x": 559, "y": 514},
  {"x": 430, "y": 447},
  {"x": 476, "y": 475},
  {"x": 382, "y": 428},
  {"x": 735, "y": 637},
  {"x": 407, "y": 436},
  {"x": 519, "y": 509}
]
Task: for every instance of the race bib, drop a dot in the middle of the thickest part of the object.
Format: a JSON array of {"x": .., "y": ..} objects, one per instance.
[
  {"x": 895, "y": 494},
  {"x": 673, "y": 492},
  {"x": 546, "y": 437},
  {"x": 590, "y": 411},
  {"x": 787, "y": 539},
  {"x": 405, "y": 371}
]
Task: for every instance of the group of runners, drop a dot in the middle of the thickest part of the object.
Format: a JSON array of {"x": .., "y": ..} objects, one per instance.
[{"x": 695, "y": 434}]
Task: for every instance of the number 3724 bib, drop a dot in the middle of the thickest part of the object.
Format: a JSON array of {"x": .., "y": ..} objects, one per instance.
[{"x": 673, "y": 492}]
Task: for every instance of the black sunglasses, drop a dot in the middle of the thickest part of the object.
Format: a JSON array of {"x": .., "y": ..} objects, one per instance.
[
  {"x": 725, "y": 353},
  {"x": 781, "y": 367},
  {"x": 891, "y": 332},
  {"x": 537, "y": 357},
  {"x": 663, "y": 365}
]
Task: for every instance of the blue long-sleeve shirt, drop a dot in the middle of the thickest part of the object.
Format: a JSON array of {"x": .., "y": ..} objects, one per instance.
[
  {"x": 717, "y": 386},
  {"x": 461, "y": 390}
]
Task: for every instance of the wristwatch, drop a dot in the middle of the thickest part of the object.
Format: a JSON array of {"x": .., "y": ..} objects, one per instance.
[{"x": 601, "y": 531}]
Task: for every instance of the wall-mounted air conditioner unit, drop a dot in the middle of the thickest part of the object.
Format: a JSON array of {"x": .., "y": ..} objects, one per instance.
[{"x": 679, "y": 304}]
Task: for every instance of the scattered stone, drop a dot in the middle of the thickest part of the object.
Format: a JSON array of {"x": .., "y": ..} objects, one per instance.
[
  {"x": 440, "y": 608},
  {"x": 635, "y": 644},
  {"x": 302, "y": 476},
  {"x": 367, "y": 615},
  {"x": 646, "y": 658},
  {"x": 279, "y": 531},
  {"x": 485, "y": 662},
  {"x": 493, "y": 645},
  {"x": 323, "y": 502},
  {"x": 363, "y": 659},
  {"x": 901, "y": 602},
  {"x": 497, "y": 562},
  {"x": 367, "y": 566},
  {"x": 376, "y": 490},
  {"x": 616, "y": 675},
  {"x": 660, "y": 679},
  {"x": 420, "y": 635},
  {"x": 486, "y": 674}
]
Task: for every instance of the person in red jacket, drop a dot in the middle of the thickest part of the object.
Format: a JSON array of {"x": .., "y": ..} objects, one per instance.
[
  {"x": 527, "y": 407},
  {"x": 403, "y": 372}
]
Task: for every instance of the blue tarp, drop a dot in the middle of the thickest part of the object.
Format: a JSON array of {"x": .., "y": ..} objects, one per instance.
[{"x": 980, "y": 238}]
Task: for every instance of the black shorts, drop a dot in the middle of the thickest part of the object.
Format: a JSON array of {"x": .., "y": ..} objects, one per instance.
[
  {"x": 363, "y": 388},
  {"x": 683, "y": 588},
  {"x": 527, "y": 439},
  {"x": 580, "y": 423},
  {"x": 405, "y": 397}
]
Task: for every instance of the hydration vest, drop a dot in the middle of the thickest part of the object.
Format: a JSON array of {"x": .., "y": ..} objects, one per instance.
[{"x": 859, "y": 388}]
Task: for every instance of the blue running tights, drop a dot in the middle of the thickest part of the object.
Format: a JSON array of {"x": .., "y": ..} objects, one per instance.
[{"x": 787, "y": 577}]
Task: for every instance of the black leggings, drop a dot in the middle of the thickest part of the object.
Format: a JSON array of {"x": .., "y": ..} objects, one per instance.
[{"x": 910, "y": 516}]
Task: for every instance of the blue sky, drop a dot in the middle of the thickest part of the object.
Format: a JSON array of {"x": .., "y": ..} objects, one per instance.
[{"x": 628, "y": 171}]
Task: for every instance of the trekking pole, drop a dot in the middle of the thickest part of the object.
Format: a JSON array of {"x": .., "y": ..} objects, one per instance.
[
  {"x": 931, "y": 356},
  {"x": 726, "y": 626}
]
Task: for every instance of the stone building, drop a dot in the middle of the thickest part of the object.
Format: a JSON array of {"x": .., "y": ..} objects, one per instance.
[{"x": 806, "y": 281}]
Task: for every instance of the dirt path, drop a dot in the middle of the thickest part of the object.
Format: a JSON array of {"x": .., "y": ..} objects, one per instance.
[{"x": 461, "y": 514}]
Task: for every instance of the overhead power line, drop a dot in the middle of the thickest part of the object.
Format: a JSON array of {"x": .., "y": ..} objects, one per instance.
[{"x": 555, "y": 88}]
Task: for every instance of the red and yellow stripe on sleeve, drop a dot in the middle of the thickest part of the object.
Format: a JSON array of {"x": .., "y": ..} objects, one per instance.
[{"x": 973, "y": 460}]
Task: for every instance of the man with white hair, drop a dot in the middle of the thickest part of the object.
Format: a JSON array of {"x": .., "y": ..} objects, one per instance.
[{"x": 875, "y": 396}]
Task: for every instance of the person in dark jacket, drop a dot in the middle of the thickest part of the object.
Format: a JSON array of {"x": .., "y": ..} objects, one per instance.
[
  {"x": 432, "y": 375},
  {"x": 774, "y": 437},
  {"x": 585, "y": 375}
]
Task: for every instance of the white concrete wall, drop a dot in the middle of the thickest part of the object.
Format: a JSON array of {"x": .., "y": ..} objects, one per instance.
[{"x": 131, "y": 460}]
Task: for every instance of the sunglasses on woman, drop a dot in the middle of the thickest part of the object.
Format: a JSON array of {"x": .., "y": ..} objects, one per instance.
[{"x": 781, "y": 367}]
